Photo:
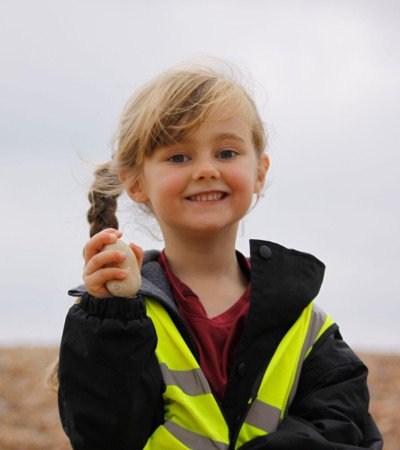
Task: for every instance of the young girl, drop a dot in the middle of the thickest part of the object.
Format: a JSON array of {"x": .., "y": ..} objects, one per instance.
[{"x": 215, "y": 351}]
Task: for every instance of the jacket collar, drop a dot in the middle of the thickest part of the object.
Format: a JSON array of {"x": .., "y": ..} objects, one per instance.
[{"x": 283, "y": 283}]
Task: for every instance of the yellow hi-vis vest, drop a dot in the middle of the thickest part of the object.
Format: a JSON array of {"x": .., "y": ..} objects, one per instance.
[{"x": 193, "y": 418}]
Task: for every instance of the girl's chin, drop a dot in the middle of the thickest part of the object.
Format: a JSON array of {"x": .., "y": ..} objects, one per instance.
[{"x": 209, "y": 228}]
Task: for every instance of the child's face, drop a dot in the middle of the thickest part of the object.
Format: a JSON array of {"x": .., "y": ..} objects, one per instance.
[{"x": 206, "y": 182}]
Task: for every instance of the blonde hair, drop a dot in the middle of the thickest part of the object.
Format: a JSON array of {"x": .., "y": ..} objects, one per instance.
[{"x": 161, "y": 113}]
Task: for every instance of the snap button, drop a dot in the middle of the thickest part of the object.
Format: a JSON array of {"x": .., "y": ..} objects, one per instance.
[
  {"x": 265, "y": 252},
  {"x": 241, "y": 369}
]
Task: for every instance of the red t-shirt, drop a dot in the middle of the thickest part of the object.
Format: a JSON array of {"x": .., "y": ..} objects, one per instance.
[{"x": 216, "y": 337}]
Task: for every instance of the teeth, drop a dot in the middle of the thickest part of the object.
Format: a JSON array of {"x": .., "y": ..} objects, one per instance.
[{"x": 211, "y": 197}]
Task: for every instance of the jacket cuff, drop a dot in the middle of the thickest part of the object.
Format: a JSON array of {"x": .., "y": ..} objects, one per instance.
[{"x": 113, "y": 307}]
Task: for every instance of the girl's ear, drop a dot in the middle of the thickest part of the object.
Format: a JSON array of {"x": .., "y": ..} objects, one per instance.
[
  {"x": 263, "y": 166},
  {"x": 137, "y": 193},
  {"x": 134, "y": 189}
]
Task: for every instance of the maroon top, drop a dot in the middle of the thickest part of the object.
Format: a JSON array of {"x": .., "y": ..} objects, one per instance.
[{"x": 216, "y": 337}]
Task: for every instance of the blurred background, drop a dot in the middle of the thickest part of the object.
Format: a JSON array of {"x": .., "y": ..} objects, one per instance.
[{"x": 325, "y": 75}]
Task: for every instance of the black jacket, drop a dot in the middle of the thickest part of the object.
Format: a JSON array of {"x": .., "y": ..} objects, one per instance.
[{"x": 110, "y": 395}]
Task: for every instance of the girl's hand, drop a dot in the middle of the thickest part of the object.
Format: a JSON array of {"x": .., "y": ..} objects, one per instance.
[{"x": 95, "y": 274}]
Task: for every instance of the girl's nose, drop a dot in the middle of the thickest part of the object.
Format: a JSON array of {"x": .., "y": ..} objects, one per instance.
[{"x": 205, "y": 170}]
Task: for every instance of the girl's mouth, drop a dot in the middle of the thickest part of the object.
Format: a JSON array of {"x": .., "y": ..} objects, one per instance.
[{"x": 207, "y": 197}]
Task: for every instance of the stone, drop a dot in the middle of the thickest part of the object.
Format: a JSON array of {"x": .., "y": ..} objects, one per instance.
[{"x": 131, "y": 284}]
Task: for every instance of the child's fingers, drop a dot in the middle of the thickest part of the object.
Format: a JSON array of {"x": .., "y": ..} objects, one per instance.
[
  {"x": 95, "y": 282},
  {"x": 138, "y": 251},
  {"x": 99, "y": 260},
  {"x": 94, "y": 245}
]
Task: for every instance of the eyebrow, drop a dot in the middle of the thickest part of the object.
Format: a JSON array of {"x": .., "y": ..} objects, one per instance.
[
  {"x": 233, "y": 136},
  {"x": 221, "y": 137}
]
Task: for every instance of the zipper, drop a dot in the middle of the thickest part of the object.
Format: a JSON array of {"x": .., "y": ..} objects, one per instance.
[
  {"x": 235, "y": 434},
  {"x": 75, "y": 293},
  {"x": 254, "y": 391}
]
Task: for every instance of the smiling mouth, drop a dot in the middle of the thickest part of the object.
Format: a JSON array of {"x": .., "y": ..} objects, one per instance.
[{"x": 207, "y": 197}]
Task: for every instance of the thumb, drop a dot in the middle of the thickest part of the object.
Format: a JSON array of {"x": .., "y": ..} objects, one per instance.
[{"x": 138, "y": 251}]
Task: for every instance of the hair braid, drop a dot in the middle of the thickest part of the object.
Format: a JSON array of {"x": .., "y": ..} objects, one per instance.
[{"x": 103, "y": 196}]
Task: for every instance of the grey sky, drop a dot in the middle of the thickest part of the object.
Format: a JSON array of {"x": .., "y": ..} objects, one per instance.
[{"x": 327, "y": 84}]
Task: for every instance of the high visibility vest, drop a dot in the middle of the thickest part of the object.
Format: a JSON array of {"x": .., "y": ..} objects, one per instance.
[{"x": 193, "y": 418}]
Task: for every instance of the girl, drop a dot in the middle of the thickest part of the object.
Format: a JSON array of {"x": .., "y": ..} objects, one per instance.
[{"x": 215, "y": 351}]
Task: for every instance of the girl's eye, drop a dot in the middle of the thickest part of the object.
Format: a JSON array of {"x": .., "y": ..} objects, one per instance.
[
  {"x": 178, "y": 159},
  {"x": 227, "y": 154}
]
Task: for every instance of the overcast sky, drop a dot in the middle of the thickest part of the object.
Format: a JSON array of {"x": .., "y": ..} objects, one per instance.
[{"x": 326, "y": 79}]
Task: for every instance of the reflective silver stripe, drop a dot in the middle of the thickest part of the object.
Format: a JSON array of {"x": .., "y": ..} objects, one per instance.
[
  {"x": 191, "y": 382},
  {"x": 318, "y": 318},
  {"x": 263, "y": 416},
  {"x": 193, "y": 440}
]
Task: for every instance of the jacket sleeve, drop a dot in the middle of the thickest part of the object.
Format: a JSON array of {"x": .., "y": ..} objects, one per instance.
[
  {"x": 330, "y": 408},
  {"x": 110, "y": 382}
]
